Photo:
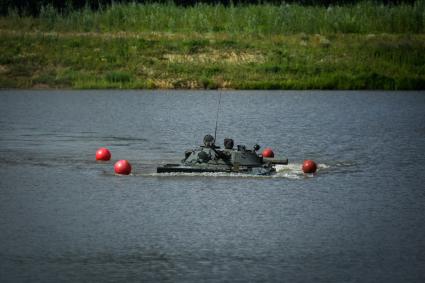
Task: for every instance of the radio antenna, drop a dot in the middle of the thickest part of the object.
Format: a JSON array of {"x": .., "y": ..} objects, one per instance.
[{"x": 216, "y": 119}]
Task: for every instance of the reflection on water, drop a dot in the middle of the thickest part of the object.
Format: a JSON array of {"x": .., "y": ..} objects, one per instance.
[{"x": 66, "y": 217}]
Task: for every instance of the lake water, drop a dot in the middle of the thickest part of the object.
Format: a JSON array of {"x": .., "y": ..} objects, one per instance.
[{"x": 66, "y": 218}]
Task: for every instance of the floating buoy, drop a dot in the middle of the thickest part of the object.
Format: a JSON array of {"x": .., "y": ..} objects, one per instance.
[
  {"x": 268, "y": 152},
  {"x": 103, "y": 154},
  {"x": 122, "y": 167},
  {"x": 309, "y": 166}
]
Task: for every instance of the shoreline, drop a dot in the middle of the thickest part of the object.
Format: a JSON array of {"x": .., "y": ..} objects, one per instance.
[
  {"x": 359, "y": 46},
  {"x": 210, "y": 90}
]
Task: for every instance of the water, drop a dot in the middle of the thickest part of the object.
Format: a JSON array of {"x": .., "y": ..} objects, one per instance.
[{"x": 66, "y": 218}]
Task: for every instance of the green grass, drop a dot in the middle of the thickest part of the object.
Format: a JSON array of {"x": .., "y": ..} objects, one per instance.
[
  {"x": 364, "y": 17},
  {"x": 363, "y": 46}
]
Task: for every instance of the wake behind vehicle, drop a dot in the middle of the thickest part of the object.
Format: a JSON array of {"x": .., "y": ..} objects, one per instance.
[{"x": 211, "y": 158}]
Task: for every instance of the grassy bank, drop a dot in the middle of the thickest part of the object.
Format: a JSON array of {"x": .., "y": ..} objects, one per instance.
[{"x": 365, "y": 46}]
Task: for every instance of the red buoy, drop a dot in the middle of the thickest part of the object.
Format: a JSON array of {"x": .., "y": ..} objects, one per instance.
[
  {"x": 103, "y": 154},
  {"x": 268, "y": 152},
  {"x": 309, "y": 166},
  {"x": 122, "y": 167}
]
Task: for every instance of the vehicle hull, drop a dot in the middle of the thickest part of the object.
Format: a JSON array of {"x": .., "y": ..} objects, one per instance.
[{"x": 176, "y": 168}]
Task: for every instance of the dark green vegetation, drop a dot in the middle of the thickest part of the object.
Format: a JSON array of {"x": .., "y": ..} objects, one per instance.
[
  {"x": 33, "y": 7},
  {"x": 364, "y": 18},
  {"x": 362, "y": 46}
]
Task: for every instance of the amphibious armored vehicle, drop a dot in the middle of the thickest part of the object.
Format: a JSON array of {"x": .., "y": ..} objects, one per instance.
[{"x": 211, "y": 158}]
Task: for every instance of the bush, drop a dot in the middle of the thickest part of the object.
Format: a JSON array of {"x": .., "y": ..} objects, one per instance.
[{"x": 118, "y": 77}]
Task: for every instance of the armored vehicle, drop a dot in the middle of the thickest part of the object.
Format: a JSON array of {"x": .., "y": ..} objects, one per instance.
[{"x": 211, "y": 158}]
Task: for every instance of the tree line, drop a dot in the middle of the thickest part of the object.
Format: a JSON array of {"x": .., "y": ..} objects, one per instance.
[{"x": 33, "y": 7}]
